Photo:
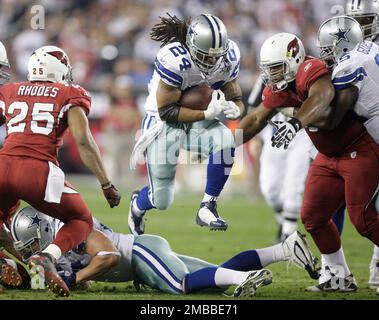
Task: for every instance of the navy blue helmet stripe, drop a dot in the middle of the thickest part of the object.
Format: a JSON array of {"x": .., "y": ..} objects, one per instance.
[
  {"x": 213, "y": 31},
  {"x": 219, "y": 31}
]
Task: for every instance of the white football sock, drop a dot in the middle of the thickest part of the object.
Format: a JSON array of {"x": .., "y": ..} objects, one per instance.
[
  {"x": 337, "y": 258},
  {"x": 138, "y": 212},
  {"x": 271, "y": 254},
  {"x": 54, "y": 250},
  {"x": 375, "y": 255},
  {"x": 289, "y": 224},
  {"x": 278, "y": 218},
  {"x": 227, "y": 277},
  {"x": 208, "y": 198}
]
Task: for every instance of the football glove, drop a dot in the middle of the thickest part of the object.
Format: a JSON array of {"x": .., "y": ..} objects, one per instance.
[
  {"x": 231, "y": 110},
  {"x": 214, "y": 107},
  {"x": 111, "y": 194},
  {"x": 69, "y": 278},
  {"x": 285, "y": 132}
]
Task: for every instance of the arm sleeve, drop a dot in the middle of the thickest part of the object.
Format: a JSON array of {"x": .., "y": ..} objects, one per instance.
[
  {"x": 80, "y": 97},
  {"x": 234, "y": 57},
  {"x": 309, "y": 72},
  {"x": 347, "y": 74},
  {"x": 167, "y": 68}
]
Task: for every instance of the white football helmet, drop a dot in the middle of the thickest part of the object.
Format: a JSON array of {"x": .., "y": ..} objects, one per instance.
[
  {"x": 50, "y": 63},
  {"x": 281, "y": 56},
  {"x": 4, "y": 62},
  {"x": 32, "y": 231},
  {"x": 366, "y": 12},
  {"x": 337, "y": 36}
]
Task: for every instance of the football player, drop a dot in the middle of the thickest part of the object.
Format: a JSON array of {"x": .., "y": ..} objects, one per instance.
[
  {"x": 347, "y": 158},
  {"x": 193, "y": 53},
  {"x": 350, "y": 55},
  {"x": 149, "y": 259},
  {"x": 37, "y": 114}
]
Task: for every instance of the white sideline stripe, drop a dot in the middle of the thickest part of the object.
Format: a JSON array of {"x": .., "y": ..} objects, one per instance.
[
  {"x": 156, "y": 264},
  {"x": 69, "y": 190}
]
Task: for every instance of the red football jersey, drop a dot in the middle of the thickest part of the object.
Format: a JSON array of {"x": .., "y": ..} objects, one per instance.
[
  {"x": 330, "y": 143},
  {"x": 36, "y": 117}
]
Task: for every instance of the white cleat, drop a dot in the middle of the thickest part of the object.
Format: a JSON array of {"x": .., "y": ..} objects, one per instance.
[
  {"x": 330, "y": 282},
  {"x": 254, "y": 279},
  {"x": 373, "y": 281},
  {"x": 297, "y": 251},
  {"x": 136, "y": 223},
  {"x": 207, "y": 216}
]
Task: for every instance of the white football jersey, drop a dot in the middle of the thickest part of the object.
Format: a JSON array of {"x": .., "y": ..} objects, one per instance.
[
  {"x": 174, "y": 66},
  {"x": 360, "y": 67},
  {"x": 78, "y": 259}
]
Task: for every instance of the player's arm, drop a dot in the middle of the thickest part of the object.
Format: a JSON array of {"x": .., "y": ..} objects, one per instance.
[
  {"x": 316, "y": 109},
  {"x": 90, "y": 153},
  {"x": 104, "y": 257},
  {"x": 169, "y": 108},
  {"x": 253, "y": 123},
  {"x": 233, "y": 93},
  {"x": 344, "y": 101}
]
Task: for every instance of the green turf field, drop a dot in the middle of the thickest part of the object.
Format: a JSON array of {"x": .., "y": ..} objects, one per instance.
[{"x": 251, "y": 225}]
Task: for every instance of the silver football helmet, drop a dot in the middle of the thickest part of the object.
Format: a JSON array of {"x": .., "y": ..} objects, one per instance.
[
  {"x": 337, "y": 36},
  {"x": 32, "y": 231},
  {"x": 4, "y": 63},
  {"x": 207, "y": 41},
  {"x": 366, "y": 12}
]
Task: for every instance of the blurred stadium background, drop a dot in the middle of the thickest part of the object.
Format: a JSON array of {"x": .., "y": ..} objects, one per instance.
[{"x": 112, "y": 56}]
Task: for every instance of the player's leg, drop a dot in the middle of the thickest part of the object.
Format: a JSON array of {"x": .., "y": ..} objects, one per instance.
[
  {"x": 295, "y": 249},
  {"x": 156, "y": 265},
  {"x": 318, "y": 206},
  {"x": 214, "y": 139},
  {"x": 161, "y": 161},
  {"x": 361, "y": 173},
  {"x": 296, "y": 171}
]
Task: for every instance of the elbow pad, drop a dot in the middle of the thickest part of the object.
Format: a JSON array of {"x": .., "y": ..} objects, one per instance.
[{"x": 170, "y": 113}]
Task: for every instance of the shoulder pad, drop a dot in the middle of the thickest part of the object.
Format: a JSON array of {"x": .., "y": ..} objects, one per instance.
[
  {"x": 234, "y": 58},
  {"x": 171, "y": 62}
]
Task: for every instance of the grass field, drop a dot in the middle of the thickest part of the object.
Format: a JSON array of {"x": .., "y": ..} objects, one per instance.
[{"x": 251, "y": 225}]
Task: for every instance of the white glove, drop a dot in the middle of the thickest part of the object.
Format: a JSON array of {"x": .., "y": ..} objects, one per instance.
[
  {"x": 214, "y": 107},
  {"x": 231, "y": 110}
]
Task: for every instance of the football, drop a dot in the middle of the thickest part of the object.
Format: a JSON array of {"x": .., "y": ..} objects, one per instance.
[{"x": 196, "y": 98}]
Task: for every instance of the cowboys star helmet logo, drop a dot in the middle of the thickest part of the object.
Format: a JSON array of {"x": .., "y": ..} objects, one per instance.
[
  {"x": 34, "y": 221},
  {"x": 341, "y": 35}
]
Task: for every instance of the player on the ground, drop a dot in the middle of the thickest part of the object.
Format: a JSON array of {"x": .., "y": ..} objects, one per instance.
[
  {"x": 193, "y": 53},
  {"x": 347, "y": 158},
  {"x": 37, "y": 114},
  {"x": 356, "y": 64},
  {"x": 149, "y": 259}
]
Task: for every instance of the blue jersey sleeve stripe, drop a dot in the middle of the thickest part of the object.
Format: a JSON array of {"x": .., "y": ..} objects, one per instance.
[
  {"x": 167, "y": 78},
  {"x": 236, "y": 70},
  {"x": 357, "y": 75},
  {"x": 342, "y": 86},
  {"x": 168, "y": 73}
]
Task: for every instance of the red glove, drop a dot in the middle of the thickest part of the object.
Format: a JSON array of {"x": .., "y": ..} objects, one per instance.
[{"x": 111, "y": 194}]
